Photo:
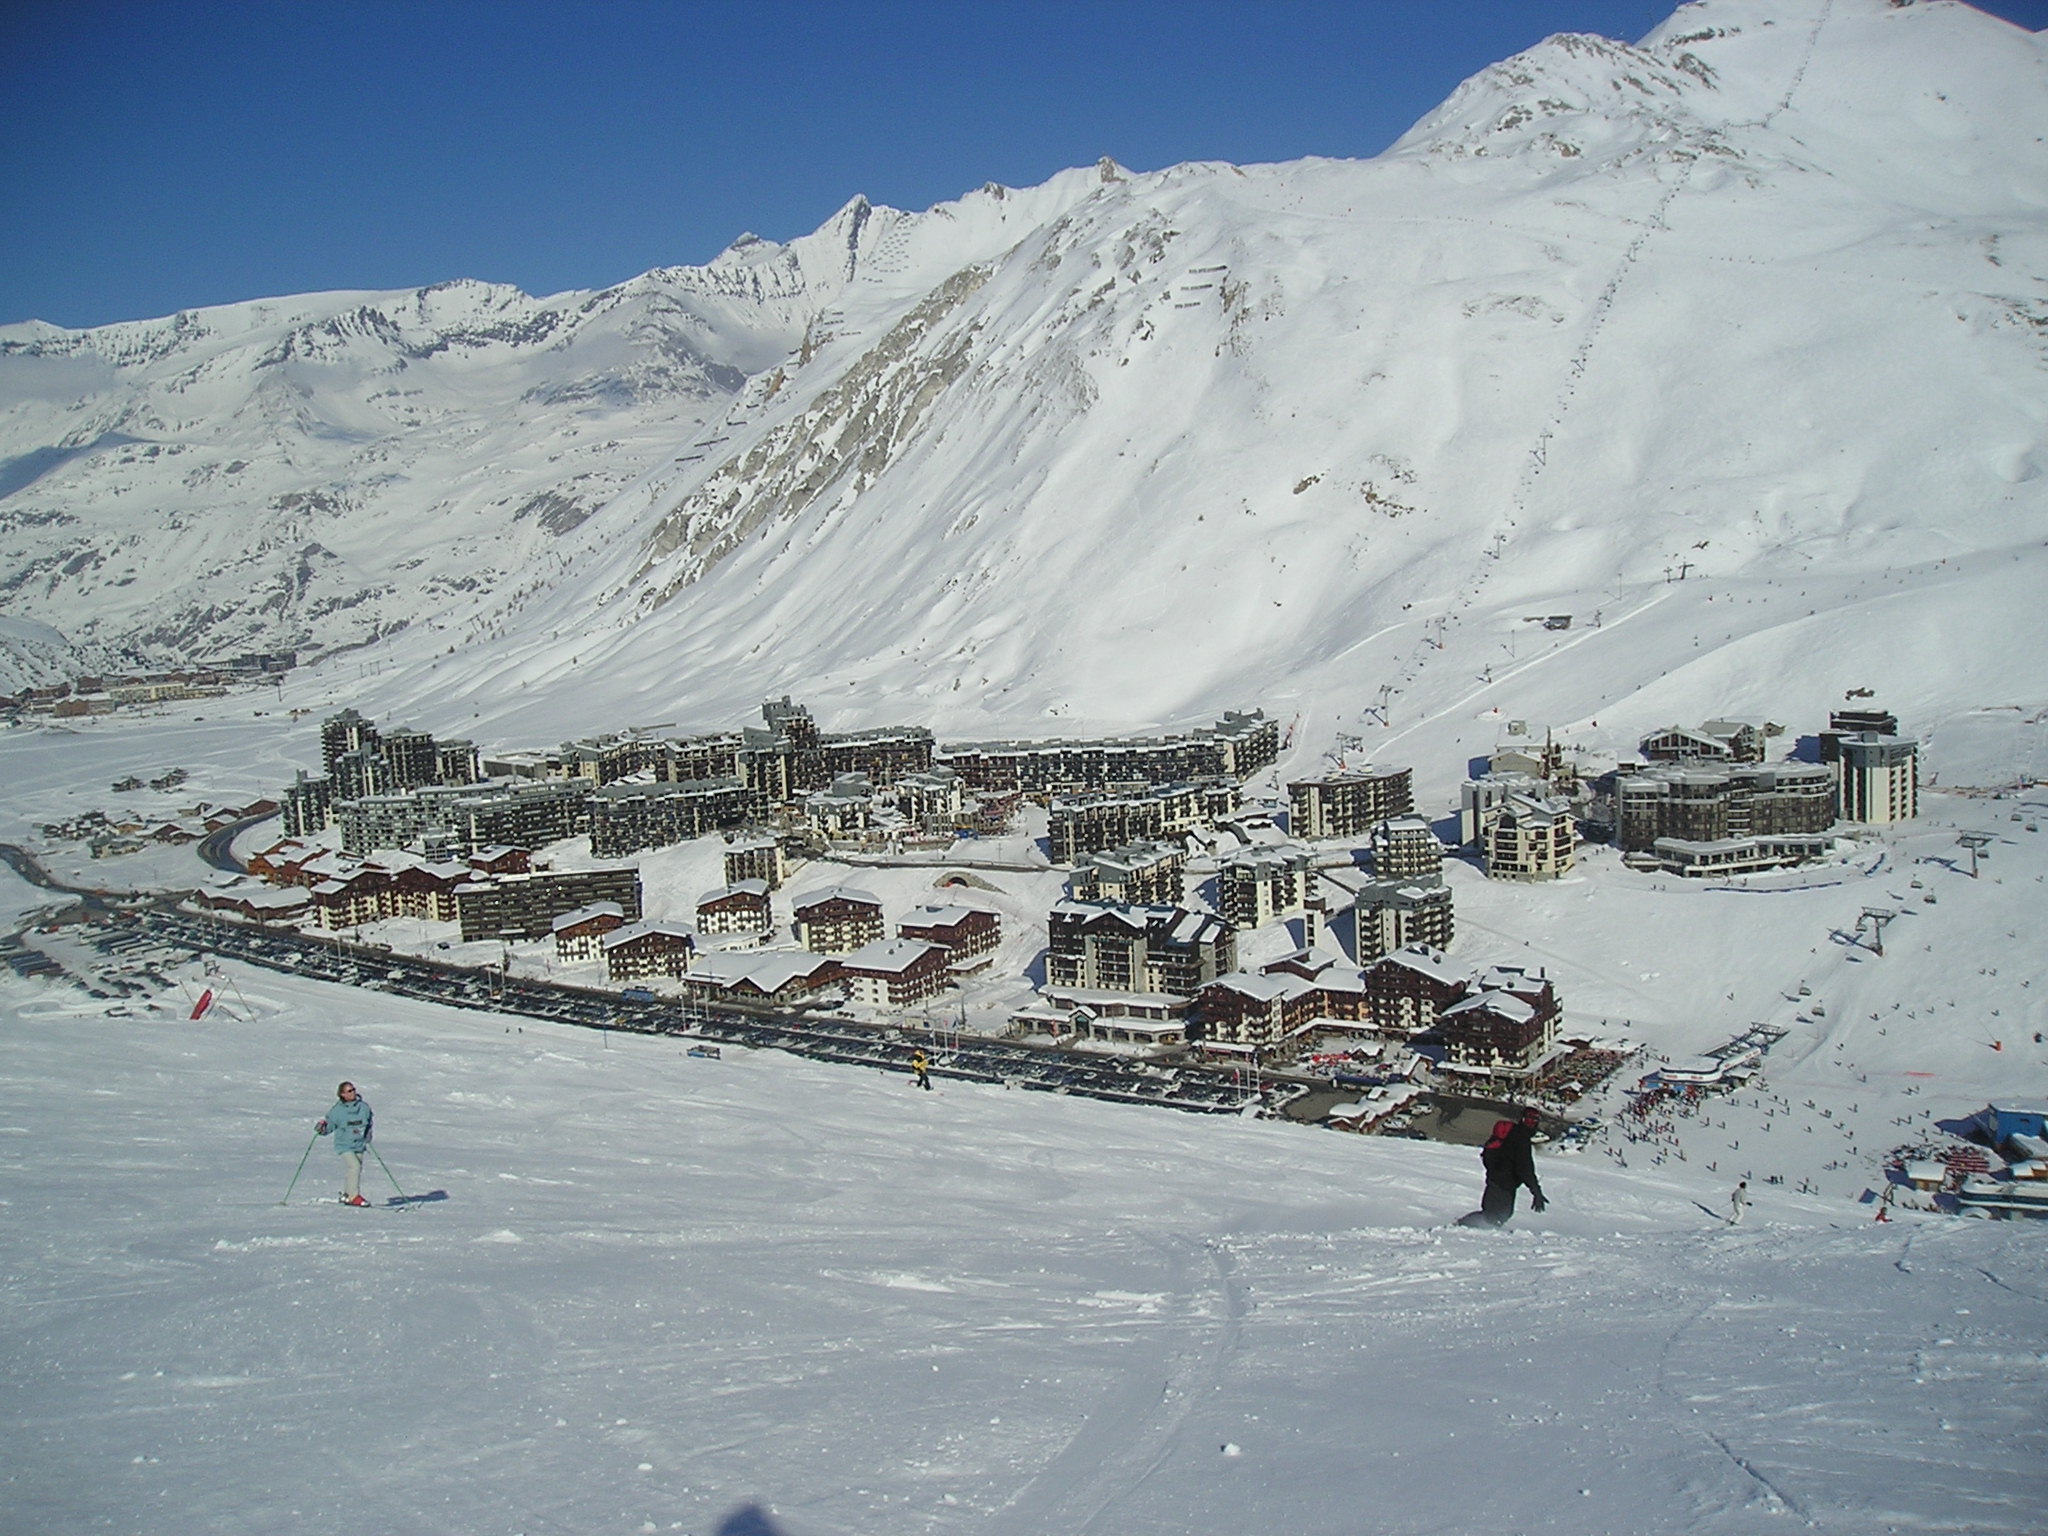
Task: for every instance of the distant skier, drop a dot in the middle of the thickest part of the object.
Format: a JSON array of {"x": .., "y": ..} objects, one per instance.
[
  {"x": 349, "y": 1124},
  {"x": 923, "y": 1069},
  {"x": 1738, "y": 1202},
  {"x": 1509, "y": 1158}
]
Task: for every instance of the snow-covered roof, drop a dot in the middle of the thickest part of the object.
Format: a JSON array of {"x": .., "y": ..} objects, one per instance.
[
  {"x": 1506, "y": 1004},
  {"x": 836, "y": 893},
  {"x": 767, "y": 969},
  {"x": 1424, "y": 962},
  {"x": 1694, "y": 1069},
  {"x": 775, "y": 968},
  {"x": 1508, "y": 976},
  {"x": 889, "y": 957},
  {"x": 942, "y": 917},
  {"x": 1265, "y": 988},
  {"x": 1132, "y": 917},
  {"x": 270, "y": 898},
  {"x": 1407, "y": 825},
  {"x": 595, "y": 909},
  {"x": 754, "y": 889},
  {"x": 647, "y": 929}
]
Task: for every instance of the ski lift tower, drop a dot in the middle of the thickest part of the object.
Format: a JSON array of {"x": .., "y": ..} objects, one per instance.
[
  {"x": 1976, "y": 842},
  {"x": 1877, "y": 917}
]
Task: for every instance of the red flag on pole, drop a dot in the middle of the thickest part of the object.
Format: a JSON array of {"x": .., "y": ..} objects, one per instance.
[{"x": 205, "y": 1002}]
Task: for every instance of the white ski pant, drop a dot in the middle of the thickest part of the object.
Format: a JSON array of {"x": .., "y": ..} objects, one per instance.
[{"x": 351, "y": 1175}]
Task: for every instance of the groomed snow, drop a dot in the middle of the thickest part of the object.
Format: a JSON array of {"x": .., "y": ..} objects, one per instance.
[{"x": 758, "y": 1293}]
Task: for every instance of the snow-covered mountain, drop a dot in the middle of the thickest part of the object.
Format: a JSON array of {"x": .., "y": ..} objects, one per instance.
[
  {"x": 319, "y": 471},
  {"x": 1758, "y": 302}
]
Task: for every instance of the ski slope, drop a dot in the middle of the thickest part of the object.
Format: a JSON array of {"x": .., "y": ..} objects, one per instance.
[{"x": 760, "y": 1294}]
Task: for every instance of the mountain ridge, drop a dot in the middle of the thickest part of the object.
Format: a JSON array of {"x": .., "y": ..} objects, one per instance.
[{"x": 1756, "y": 298}]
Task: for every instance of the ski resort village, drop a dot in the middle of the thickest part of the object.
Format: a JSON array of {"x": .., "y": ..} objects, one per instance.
[
  {"x": 1165, "y": 919},
  {"x": 1339, "y": 845}
]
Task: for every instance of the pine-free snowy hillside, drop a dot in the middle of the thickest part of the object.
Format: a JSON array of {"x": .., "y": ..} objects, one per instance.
[
  {"x": 1757, "y": 302},
  {"x": 316, "y": 472}
]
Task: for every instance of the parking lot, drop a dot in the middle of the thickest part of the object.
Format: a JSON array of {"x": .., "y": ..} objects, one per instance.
[{"x": 1044, "y": 1069}]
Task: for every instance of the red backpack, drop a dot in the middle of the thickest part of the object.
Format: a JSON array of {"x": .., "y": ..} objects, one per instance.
[{"x": 1493, "y": 1157}]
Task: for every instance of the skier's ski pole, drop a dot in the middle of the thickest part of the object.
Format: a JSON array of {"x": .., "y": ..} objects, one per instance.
[
  {"x": 287, "y": 1200},
  {"x": 387, "y": 1169}
]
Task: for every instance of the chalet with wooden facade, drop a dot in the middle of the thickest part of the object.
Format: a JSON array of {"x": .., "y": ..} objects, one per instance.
[
  {"x": 741, "y": 907},
  {"x": 1506, "y": 1025},
  {"x": 778, "y": 977},
  {"x": 1265, "y": 1013},
  {"x": 1107, "y": 947},
  {"x": 1408, "y": 990},
  {"x": 965, "y": 933},
  {"x": 260, "y": 903},
  {"x": 838, "y": 920},
  {"x": 895, "y": 973},
  {"x": 579, "y": 934},
  {"x": 1305, "y": 995},
  {"x": 351, "y": 900},
  {"x": 647, "y": 948}
]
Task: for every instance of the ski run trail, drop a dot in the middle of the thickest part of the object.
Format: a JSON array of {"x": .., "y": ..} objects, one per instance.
[{"x": 759, "y": 1294}]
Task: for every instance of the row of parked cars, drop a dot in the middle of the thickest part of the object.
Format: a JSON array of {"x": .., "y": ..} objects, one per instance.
[{"x": 819, "y": 1037}]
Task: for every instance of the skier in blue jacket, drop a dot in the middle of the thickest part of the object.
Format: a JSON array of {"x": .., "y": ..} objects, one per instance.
[{"x": 349, "y": 1124}]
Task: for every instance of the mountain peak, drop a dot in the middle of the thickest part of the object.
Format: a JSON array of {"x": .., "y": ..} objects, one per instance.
[{"x": 1572, "y": 97}]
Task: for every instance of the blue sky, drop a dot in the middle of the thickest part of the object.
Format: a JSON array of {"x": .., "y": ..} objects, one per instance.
[{"x": 162, "y": 155}]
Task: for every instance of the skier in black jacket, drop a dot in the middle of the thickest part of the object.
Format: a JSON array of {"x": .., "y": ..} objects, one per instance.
[{"x": 1510, "y": 1162}]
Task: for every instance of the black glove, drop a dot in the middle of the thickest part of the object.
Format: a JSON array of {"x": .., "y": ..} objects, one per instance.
[{"x": 1541, "y": 1203}]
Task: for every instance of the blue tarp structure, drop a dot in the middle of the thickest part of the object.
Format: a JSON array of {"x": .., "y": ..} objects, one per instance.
[{"x": 2013, "y": 1117}]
